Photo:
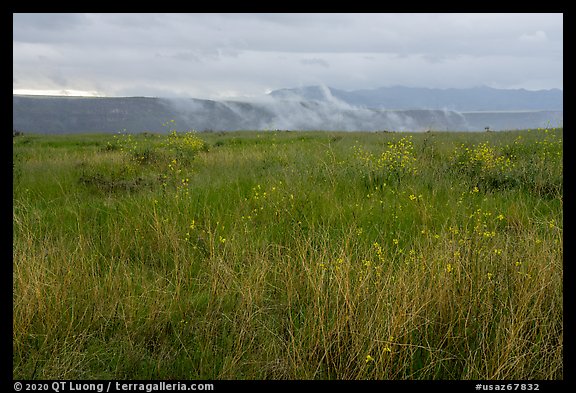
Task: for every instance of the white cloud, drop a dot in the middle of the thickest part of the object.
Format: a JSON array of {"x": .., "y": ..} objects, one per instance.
[
  {"x": 214, "y": 55},
  {"x": 315, "y": 62},
  {"x": 536, "y": 37}
]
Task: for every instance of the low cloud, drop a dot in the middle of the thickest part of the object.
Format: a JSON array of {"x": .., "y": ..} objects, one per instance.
[
  {"x": 291, "y": 112},
  {"x": 536, "y": 37},
  {"x": 315, "y": 62}
]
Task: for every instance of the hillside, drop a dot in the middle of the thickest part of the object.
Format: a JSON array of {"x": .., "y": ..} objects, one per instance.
[
  {"x": 401, "y": 97},
  {"x": 52, "y": 115}
]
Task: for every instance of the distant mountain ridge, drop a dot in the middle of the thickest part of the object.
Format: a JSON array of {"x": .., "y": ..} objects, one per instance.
[
  {"x": 309, "y": 108},
  {"x": 401, "y": 97}
]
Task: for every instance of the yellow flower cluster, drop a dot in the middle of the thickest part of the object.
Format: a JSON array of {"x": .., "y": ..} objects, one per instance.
[
  {"x": 187, "y": 142},
  {"x": 399, "y": 156},
  {"x": 485, "y": 158},
  {"x": 550, "y": 148},
  {"x": 484, "y": 223},
  {"x": 392, "y": 164},
  {"x": 271, "y": 200}
]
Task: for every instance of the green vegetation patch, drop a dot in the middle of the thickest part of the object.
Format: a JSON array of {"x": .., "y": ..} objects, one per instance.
[{"x": 288, "y": 255}]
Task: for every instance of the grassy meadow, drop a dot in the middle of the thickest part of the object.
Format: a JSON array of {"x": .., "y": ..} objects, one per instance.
[{"x": 288, "y": 255}]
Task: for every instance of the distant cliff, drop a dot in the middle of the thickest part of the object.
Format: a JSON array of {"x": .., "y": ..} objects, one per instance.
[
  {"x": 49, "y": 114},
  {"x": 463, "y": 100}
]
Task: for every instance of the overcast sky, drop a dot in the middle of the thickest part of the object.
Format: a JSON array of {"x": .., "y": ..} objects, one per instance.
[{"x": 245, "y": 55}]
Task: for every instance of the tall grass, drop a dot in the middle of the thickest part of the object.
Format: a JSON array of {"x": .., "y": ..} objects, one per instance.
[{"x": 288, "y": 255}]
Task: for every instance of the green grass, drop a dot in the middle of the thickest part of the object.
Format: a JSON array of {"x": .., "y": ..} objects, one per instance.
[{"x": 288, "y": 255}]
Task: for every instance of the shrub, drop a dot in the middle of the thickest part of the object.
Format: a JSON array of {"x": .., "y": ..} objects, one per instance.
[{"x": 391, "y": 166}]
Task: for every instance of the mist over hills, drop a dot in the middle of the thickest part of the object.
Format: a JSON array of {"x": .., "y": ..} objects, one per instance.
[
  {"x": 307, "y": 108},
  {"x": 400, "y": 97}
]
